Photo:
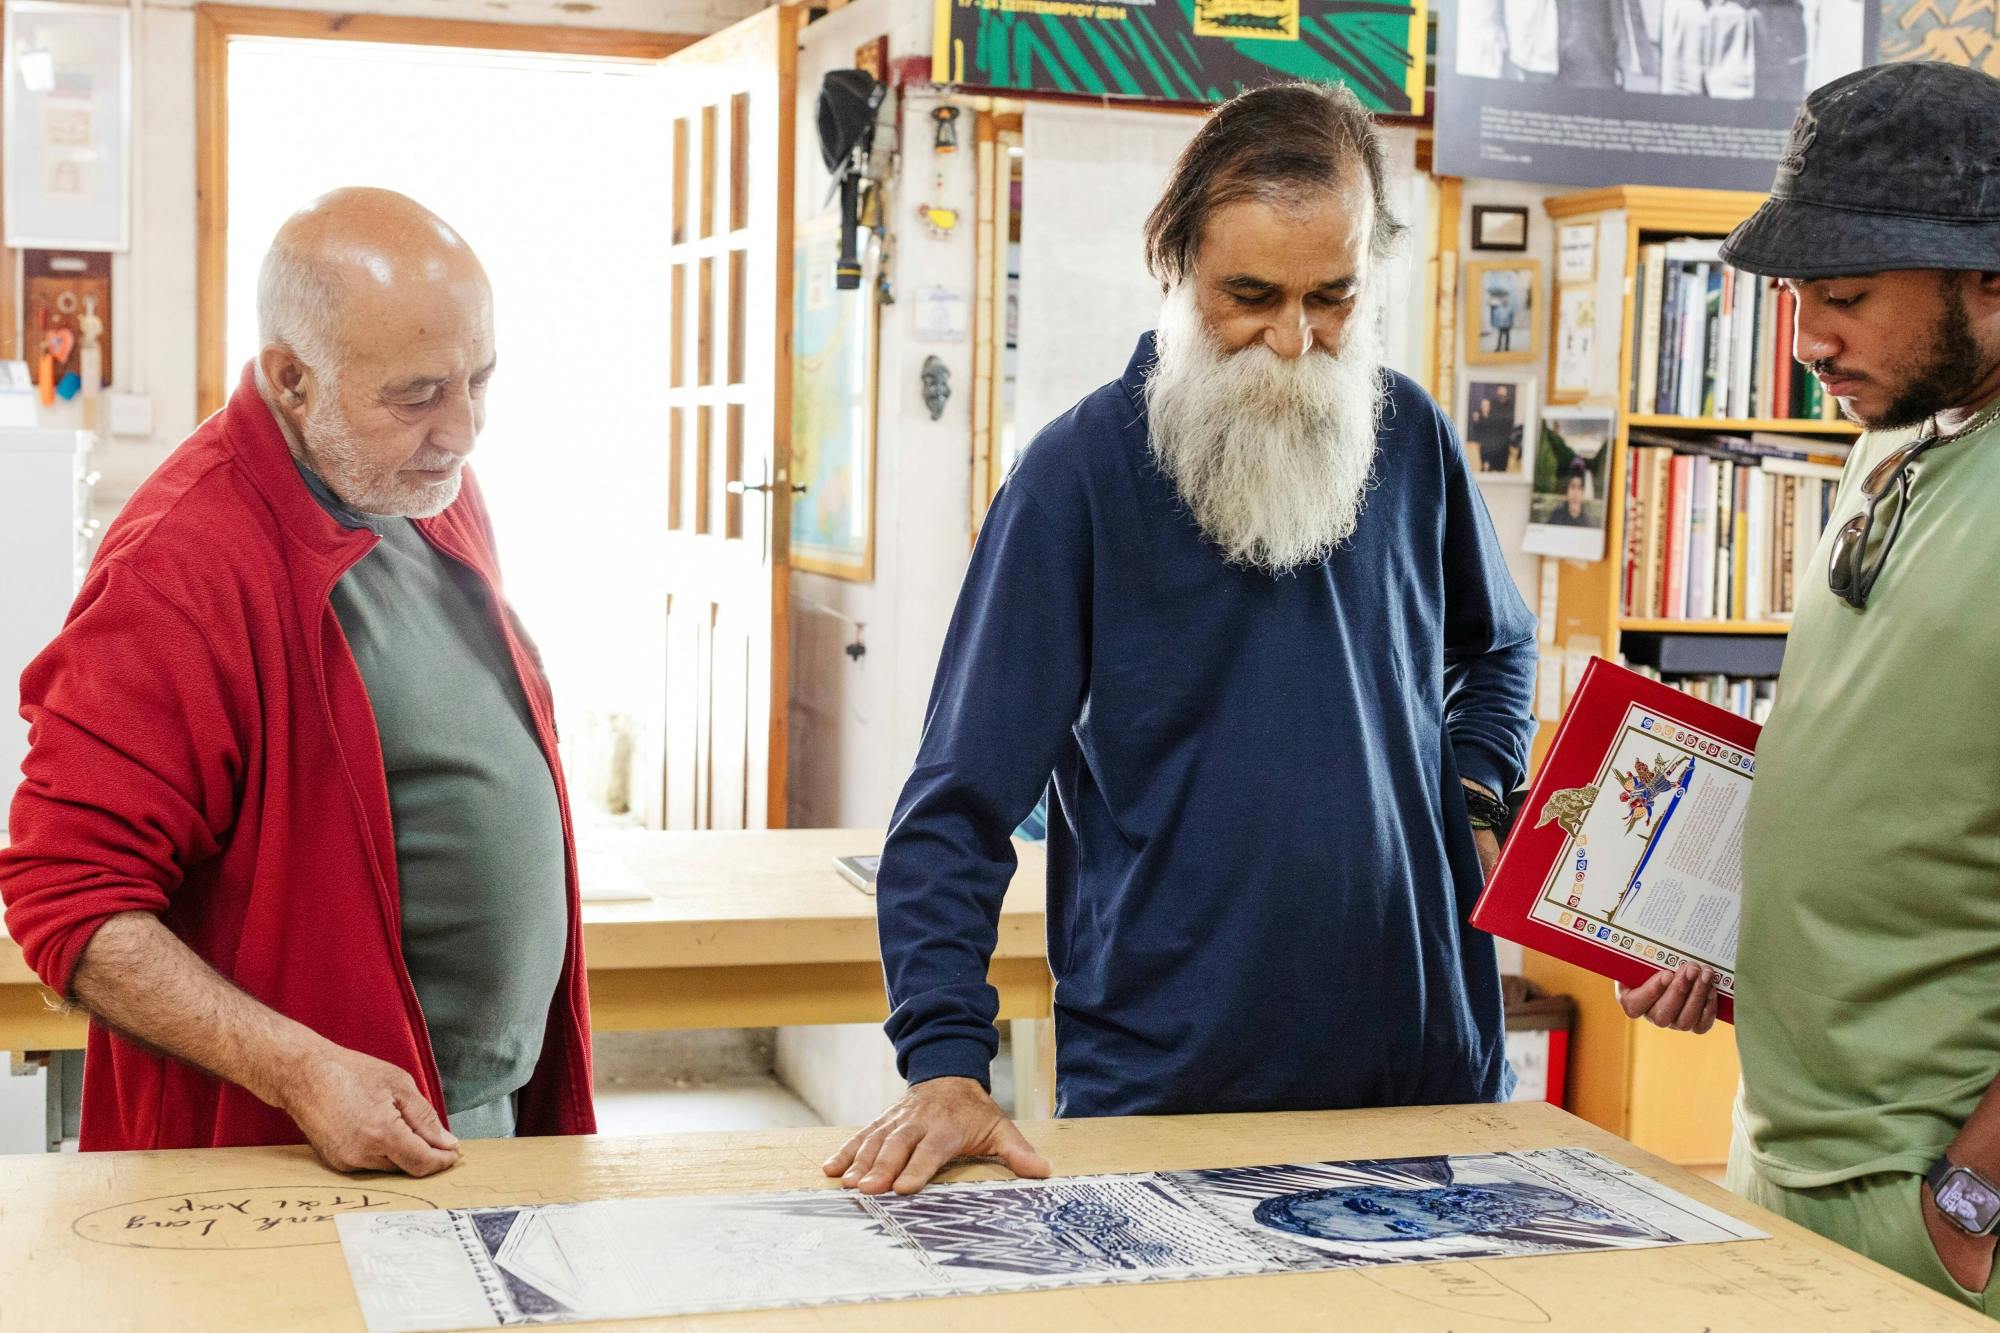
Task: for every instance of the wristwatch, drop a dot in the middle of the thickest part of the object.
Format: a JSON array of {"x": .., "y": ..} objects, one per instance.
[{"x": 1968, "y": 1200}]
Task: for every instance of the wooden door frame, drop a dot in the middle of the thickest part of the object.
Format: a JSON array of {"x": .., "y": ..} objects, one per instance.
[
  {"x": 994, "y": 131},
  {"x": 778, "y": 744},
  {"x": 769, "y": 171},
  {"x": 215, "y": 25}
]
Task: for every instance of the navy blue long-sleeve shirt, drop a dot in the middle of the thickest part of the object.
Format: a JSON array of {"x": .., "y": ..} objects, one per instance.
[{"x": 1260, "y": 866}]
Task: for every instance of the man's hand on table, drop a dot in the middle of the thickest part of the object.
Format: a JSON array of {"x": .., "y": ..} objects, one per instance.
[
  {"x": 359, "y": 1113},
  {"x": 934, "y": 1122},
  {"x": 1683, "y": 999},
  {"x": 364, "y": 1114}
]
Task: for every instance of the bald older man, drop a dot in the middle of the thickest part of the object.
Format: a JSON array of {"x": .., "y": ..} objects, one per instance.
[{"x": 293, "y": 831}]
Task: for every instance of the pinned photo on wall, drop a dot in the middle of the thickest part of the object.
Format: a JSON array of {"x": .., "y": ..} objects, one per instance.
[
  {"x": 1576, "y": 253},
  {"x": 1566, "y": 513},
  {"x": 1498, "y": 426},
  {"x": 1500, "y": 310},
  {"x": 1575, "y": 341}
]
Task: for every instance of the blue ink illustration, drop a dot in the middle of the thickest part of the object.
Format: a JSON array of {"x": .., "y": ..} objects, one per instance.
[
  {"x": 1064, "y": 1229},
  {"x": 1659, "y": 784},
  {"x": 1393, "y": 1210},
  {"x": 1378, "y": 1213}
]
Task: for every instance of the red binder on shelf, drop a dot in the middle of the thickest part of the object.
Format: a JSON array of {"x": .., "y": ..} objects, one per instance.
[{"x": 1627, "y": 858}]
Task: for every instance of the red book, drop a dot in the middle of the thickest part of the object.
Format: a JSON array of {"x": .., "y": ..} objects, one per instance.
[
  {"x": 1627, "y": 858},
  {"x": 1635, "y": 527},
  {"x": 1673, "y": 592}
]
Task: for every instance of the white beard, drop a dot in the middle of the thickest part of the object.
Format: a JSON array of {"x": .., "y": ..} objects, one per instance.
[
  {"x": 338, "y": 454},
  {"x": 1271, "y": 456}
]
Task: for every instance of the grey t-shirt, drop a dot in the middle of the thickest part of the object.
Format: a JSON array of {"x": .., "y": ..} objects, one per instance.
[{"x": 479, "y": 847}]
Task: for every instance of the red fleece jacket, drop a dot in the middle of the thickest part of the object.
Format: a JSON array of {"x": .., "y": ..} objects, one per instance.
[{"x": 202, "y": 747}]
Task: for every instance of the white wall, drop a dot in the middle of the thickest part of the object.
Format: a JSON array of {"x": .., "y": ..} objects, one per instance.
[
  {"x": 153, "y": 286},
  {"x": 855, "y": 723},
  {"x": 1092, "y": 175}
]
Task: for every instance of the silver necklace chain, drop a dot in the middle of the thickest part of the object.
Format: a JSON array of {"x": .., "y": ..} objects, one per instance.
[{"x": 1985, "y": 417}]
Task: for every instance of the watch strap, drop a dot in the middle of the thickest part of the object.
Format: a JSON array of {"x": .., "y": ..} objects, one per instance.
[{"x": 1934, "y": 1177}]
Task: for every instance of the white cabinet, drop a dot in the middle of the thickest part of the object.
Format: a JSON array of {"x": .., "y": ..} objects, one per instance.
[{"x": 45, "y": 541}]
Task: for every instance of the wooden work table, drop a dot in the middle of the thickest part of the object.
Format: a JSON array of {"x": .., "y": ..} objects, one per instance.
[
  {"x": 751, "y": 929},
  {"x": 74, "y": 1259}
]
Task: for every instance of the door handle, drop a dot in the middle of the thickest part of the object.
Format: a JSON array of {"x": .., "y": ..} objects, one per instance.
[{"x": 738, "y": 488}]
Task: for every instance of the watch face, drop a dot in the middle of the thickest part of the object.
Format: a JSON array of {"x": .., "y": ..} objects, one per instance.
[{"x": 1968, "y": 1201}]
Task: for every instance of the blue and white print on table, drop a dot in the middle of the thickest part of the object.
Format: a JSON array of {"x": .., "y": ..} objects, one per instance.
[
  {"x": 1427, "y": 1209},
  {"x": 629, "y": 1258}
]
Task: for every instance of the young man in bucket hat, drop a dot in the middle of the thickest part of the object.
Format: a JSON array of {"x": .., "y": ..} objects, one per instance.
[{"x": 1868, "y": 982}]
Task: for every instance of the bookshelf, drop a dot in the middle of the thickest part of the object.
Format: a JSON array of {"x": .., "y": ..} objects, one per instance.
[
  {"x": 1743, "y": 425},
  {"x": 1629, "y": 625},
  {"x": 1671, "y": 1093},
  {"x": 1591, "y": 616}
]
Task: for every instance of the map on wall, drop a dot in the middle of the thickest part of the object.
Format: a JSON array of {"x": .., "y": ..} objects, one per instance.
[
  {"x": 833, "y": 411},
  {"x": 1183, "y": 50}
]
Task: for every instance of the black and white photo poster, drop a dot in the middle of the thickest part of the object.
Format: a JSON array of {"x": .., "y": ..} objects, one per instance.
[{"x": 1696, "y": 93}]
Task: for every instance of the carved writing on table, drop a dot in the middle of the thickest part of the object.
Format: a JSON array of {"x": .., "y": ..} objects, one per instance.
[{"x": 260, "y": 1218}]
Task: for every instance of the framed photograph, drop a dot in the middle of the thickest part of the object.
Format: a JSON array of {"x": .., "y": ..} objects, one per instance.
[
  {"x": 1574, "y": 339},
  {"x": 67, "y": 108},
  {"x": 1566, "y": 513},
  {"x": 1500, "y": 311},
  {"x": 1497, "y": 227},
  {"x": 833, "y": 409},
  {"x": 1498, "y": 426}
]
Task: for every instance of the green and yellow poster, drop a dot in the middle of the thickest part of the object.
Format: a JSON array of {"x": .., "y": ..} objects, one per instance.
[{"x": 1184, "y": 50}]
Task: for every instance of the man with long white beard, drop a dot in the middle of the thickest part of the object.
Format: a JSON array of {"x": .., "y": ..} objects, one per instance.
[
  {"x": 293, "y": 831},
  {"x": 1243, "y": 611}
]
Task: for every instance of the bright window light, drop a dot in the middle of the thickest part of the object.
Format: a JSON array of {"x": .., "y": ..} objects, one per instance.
[{"x": 554, "y": 169}]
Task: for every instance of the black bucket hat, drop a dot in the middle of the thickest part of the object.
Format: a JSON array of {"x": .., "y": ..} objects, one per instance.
[{"x": 1892, "y": 167}]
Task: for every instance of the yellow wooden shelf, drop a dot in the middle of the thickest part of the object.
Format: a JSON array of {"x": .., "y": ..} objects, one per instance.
[
  {"x": 1705, "y": 626},
  {"x": 1667, "y": 1091},
  {"x": 1740, "y": 424}
]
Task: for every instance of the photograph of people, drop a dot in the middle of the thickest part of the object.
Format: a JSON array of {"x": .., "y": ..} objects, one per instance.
[
  {"x": 1566, "y": 514},
  {"x": 1771, "y": 50},
  {"x": 1497, "y": 422},
  {"x": 1500, "y": 313}
]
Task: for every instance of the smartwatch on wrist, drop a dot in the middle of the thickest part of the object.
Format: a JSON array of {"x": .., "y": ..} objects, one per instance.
[{"x": 1968, "y": 1200}]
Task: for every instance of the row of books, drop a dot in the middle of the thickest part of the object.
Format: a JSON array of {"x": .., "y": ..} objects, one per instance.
[
  {"x": 1710, "y": 340},
  {"x": 1745, "y": 696},
  {"x": 1723, "y": 528}
]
